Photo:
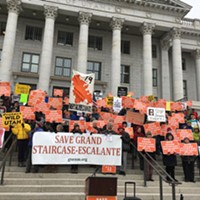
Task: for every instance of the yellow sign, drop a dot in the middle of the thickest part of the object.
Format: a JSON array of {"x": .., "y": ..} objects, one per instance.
[
  {"x": 168, "y": 106},
  {"x": 151, "y": 98},
  {"x": 22, "y": 89},
  {"x": 11, "y": 119},
  {"x": 109, "y": 101}
]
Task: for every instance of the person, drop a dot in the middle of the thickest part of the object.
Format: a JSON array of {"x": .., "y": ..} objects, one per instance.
[
  {"x": 95, "y": 126},
  {"x": 170, "y": 160},
  {"x": 22, "y": 133},
  {"x": 188, "y": 164},
  {"x": 3, "y": 108},
  {"x": 59, "y": 128},
  {"x": 125, "y": 148},
  {"x": 151, "y": 112},
  {"x": 196, "y": 134},
  {"x": 194, "y": 121}
]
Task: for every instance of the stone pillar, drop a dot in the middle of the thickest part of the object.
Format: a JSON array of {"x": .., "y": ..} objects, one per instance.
[
  {"x": 165, "y": 70},
  {"x": 177, "y": 64},
  {"x": 84, "y": 19},
  {"x": 14, "y": 8},
  {"x": 147, "y": 30},
  {"x": 197, "y": 59},
  {"x": 116, "y": 25},
  {"x": 47, "y": 48}
]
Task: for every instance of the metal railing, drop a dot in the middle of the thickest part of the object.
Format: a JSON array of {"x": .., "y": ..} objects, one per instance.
[{"x": 163, "y": 175}]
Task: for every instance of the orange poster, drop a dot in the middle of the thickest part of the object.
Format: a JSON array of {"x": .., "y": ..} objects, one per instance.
[
  {"x": 144, "y": 99},
  {"x": 190, "y": 149},
  {"x": 41, "y": 106},
  {"x": 173, "y": 122},
  {"x": 53, "y": 116},
  {"x": 179, "y": 116},
  {"x": 129, "y": 130},
  {"x": 55, "y": 103},
  {"x": 89, "y": 127},
  {"x": 154, "y": 128},
  {"x": 35, "y": 97},
  {"x": 101, "y": 102},
  {"x": 189, "y": 103},
  {"x": 176, "y": 106},
  {"x": 183, "y": 133},
  {"x": 66, "y": 101},
  {"x": 161, "y": 103},
  {"x": 135, "y": 118},
  {"x": 142, "y": 107},
  {"x": 146, "y": 144},
  {"x": 101, "y": 123},
  {"x": 5, "y": 89},
  {"x": 119, "y": 119},
  {"x": 164, "y": 129},
  {"x": 127, "y": 102},
  {"x": 106, "y": 116},
  {"x": 108, "y": 169},
  {"x": 170, "y": 147},
  {"x": 57, "y": 93},
  {"x": 27, "y": 112},
  {"x": 1, "y": 125},
  {"x": 81, "y": 124}
]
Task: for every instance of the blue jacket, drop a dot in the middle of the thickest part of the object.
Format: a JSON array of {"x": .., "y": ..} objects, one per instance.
[{"x": 31, "y": 135}]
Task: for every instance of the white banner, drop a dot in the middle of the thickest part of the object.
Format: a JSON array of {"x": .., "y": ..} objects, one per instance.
[
  {"x": 117, "y": 104},
  {"x": 69, "y": 148},
  {"x": 81, "y": 92},
  {"x": 156, "y": 114},
  {"x": 2, "y": 134}
]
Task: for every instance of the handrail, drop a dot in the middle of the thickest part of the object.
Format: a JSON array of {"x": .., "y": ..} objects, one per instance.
[
  {"x": 5, "y": 143},
  {"x": 161, "y": 176},
  {"x": 3, "y": 162}
]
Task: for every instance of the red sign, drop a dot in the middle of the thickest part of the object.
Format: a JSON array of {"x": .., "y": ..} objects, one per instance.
[
  {"x": 190, "y": 149},
  {"x": 146, "y": 144},
  {"x": 183, "y": 133},
  {"x": 108, "y": 169},
  {"x": 154, "y": 128},
  {"x": 170, "y": 147},
  {"x": 27, "y": 112}
]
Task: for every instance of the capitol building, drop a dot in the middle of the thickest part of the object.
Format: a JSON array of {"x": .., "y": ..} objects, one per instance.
[{"x": 147, "y": 46}]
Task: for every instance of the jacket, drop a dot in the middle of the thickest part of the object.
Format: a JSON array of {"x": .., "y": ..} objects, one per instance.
[
  {"x": 21, "y": 132},
  {"x": 169, "y": 160},
  {"x": 125, "y": 141}
]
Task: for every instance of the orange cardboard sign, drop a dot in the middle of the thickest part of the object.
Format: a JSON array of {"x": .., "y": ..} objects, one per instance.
[
  {"x": 27, "y": 112},
  {"x": 119, "y": 119},
  {"x": 129, "y": 130},
  {"x": 135, "y": 118},
  {"x": 183, "y": 133},
  {"x": 170, "y": 147},
  {"x": 35, "y": 97},
  {"x": 101, "y": 102},
  {"x": 146, "y": 144},
  {"x": 81, "y": 124},
  {"x": 173, "y": 122},
  {"x": 5, "y": 89},
  {"x": 57, "y": 93},
  {"x": 89, "y": 127},
  {"x": 110, "y": 169},
  {"x": 101, "y": 123},
  {"x": 1, "y": 125},
  {"x": 179, "y": 117},
  {"x": 176, "y": 106},
  {"x": 53, "y": 116},
  {"x": 154, "y": 128},
  {"x": 190, "y": 149},
  {"x": 127, "y": 102},
  {"x": 106, "y": 116},
  {"x": 56, "y": 103},
  {"x": 189, "y": 103},
  {"x": 144, "y": 99},
  {"x": 164, "y": 128},
  {"x": 101, "y": 198},
  {"x": 66, "y": 101},
  {"x": 161, "y": 103},
  {"x": 139, "y": 105},
  {"x": 41, "y": 106}
]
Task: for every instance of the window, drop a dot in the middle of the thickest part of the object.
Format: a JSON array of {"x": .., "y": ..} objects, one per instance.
[
  {"x": 154, "y": 51},
  {"x": 155, "y": 77},
  {"x": 65, "y": 38},
  {"x": 94, "y": 67},
  {"x": 0, "y": 53},
  {"x": 65, "y": 90},
  {"x": 95, "y": 42},
  {"x": 183, "y": 64},
  {"x": 125, "y": 47},
  {"x": 33, "y": 33},
  {"x": 185, "y": 88},
  {"x": 30, "y": 62},
  {"x": 2, "y": 28},
  {"x": 63, "y": 66},
  {"x": 125, "y": 74}
]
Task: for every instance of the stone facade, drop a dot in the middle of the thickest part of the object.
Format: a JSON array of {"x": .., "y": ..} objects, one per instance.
[{"x": 149, "y": 27}]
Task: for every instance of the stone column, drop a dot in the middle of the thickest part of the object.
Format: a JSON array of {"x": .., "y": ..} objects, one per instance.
[
  {"x": 165, "y": 70},
  {"x": 14, "y": 8},
  {"x": 47, "y": 48},
  {"x": 147, "y": 30},
  {"x": 116, "y": 25},
  {"x": 84, "y": 19},
  {"x": 177, "y": 64},
  {"x": 197, "y": 59}
]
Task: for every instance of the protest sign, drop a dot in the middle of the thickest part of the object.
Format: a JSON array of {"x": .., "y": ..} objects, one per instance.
[
  {"x": 108, "y": 169},
  {"x": 183, "y": 133},
  {"x": 68, "y": 148},
  {"x": 122, "y": 91},
  {"x": 161, "y": 103},
  {"x": 22, "y": 89},
  {"x": 5, "y": 89},
  {"x": 127, "y": 102},
  {"x": 27, "y": 112},
  {"x": 179, "y": 117},
  {"x": 11, "y": 119},
  {"x": 55, "y": 103},
  {"x": 109, "y": 101},
  {"x": 41, "y": 106},
  {"x": 106, "y": 116},
  {"x": 129, "y": 130},
  {"x": 1, "y": 125},
  {"x": 170, "y": 147},
  {"x": 53, "y": 116},
  {"x": 173, "y": 122},
  {"x": 141, "y": 106},
  {"x": 135, "y": 118},
  {"x": 57, "y": 92},
  {"x": 35, "y": 97},
  {"x": 154, "y": 128},
  {"x": 23, "y": 98},
  {"x": 117, "y": 104},
  {"x": 81, "y": 92},
  {"x": 101, "y": 123},
  {"x": 66, "y": 101},
  {"x": 189, "y": 103},
  {"x": 119, "y": 119},
  {"x": 2, "y": 133},
  {"x": 101, "y": 102},
  {"x": 81, "y": 124},
  {"x": 176, "y": 106},
  {"x": 150, "y": 97},
  {"x": 156, "y": 114},
  {"x": 89, "y": 127},
  {"x": 189, "y": 149},
  {"x": 146, "y": 144}
]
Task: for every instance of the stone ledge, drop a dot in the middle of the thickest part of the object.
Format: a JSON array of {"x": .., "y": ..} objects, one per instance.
[{"x": 26, "y": 74}]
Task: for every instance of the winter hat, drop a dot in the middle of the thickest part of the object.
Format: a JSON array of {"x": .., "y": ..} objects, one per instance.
[{"x": 120, "y": 127}]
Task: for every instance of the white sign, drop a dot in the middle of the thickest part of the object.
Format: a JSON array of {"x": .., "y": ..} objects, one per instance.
[
  {"x": 69, "y": 148},
  {"x": 117, "y": 104},
  {"x": 156, "y": 114}
]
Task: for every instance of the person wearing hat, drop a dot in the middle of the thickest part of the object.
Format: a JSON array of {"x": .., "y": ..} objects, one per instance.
[
  {"x": 125, "y": 148},
  {"x": 196, "y": 133}
]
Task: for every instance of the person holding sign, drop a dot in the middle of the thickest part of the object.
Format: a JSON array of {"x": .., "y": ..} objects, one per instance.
[{"x": 169, "y": 160}]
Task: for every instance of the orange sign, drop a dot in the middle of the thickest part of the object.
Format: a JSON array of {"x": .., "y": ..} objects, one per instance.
[
  {"x": 66, "y": 101},
  {"x": 173, "y": 122},
  {"x": 101, "y": 123},
  {"x": 119, "y": 119},
  {"x": 135, "y": 118},
  {"x": 190, "y": 149},
  {"x": 5, "y": 88},
  {"x": 127, "y": 102},
  {"x": 189, "y": 103},
  {"x": 41, "y": 106},
  {"x": 57, "y": 93},
  {"x": 1, "y": 125},
  {"x": 101, "y": 102},
  {"x": 154, "y": 128},
  {"x": 129, "y": 130},
  {"x": 176, "y": 106},
  {"x": 53, "y": 116},
  {"x": 106, "y": 116},
  {"x": 161, "y": 103},
  {"x": 56, "y": 103},
  {"x": 183, "y": 133},
  {"x": 27, "y": 112},
  {"x": 101, "y": 198},
  {"x": 146, "y": 144},
  {"x": 108, "y": 169},
  {"x": 89, "y": 127},
  {"x": 179, "y": 117},
  {"x": 170, "y": 147},
  {"x": 35, "y": 97},
  {"x": 81, "y": 124}
]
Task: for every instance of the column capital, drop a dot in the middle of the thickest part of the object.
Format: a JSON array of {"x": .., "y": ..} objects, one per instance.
[
  {"x": 147, "y": 28},
  {"x": 176, "y": 33},
  {"x": 14, "y": 6},
  {"x": 165, "y": 44},
  {"x": 196, "y": 53},
  {"x": 116, "y": 23},
  {"x": 50, "y": 11},
  {"x": 84, "y": 17}
]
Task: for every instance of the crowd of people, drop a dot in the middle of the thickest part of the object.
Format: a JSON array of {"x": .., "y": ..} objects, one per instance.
[{"x": 24, "y": 133}]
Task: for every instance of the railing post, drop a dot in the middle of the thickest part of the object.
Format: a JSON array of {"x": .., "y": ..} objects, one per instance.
[
  {"x": 173, "y": 191},
  {"x": 161, "y": 187},
  {"x": 145, "y": 173},
  {"x": 2, "y": 172}
]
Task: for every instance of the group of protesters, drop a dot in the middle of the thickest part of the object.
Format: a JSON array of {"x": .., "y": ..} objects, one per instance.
[{"x": 24, "y": 134}]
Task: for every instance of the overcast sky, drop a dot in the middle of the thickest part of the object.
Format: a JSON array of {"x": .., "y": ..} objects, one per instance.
[{"x": 195, "y": 11}]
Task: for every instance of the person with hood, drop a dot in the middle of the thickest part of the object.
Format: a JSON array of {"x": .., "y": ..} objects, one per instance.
[
  {"x": 196, "y": 134},
  {"x": 170, "y": 160}
]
